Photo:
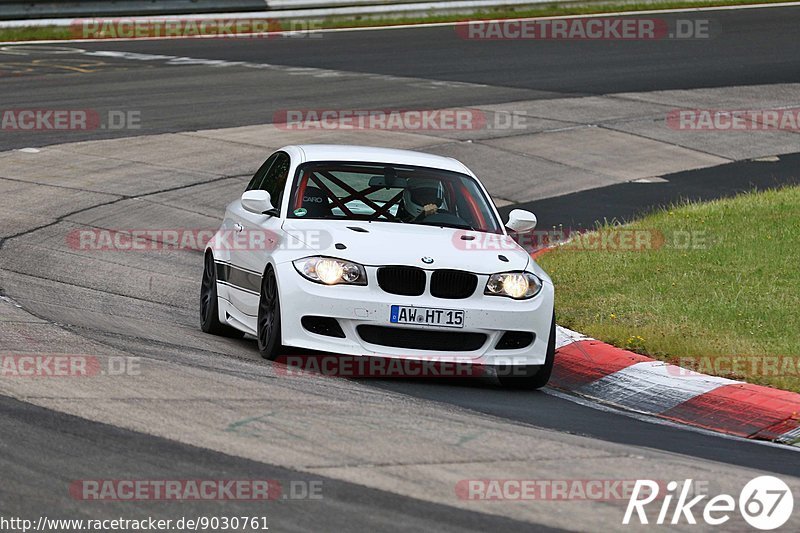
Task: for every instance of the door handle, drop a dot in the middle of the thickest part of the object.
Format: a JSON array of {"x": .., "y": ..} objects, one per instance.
[{"x": 238, "y": 227}]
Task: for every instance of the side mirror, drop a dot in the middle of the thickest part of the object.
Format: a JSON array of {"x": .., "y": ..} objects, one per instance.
[
  {"x": 520, "y": 221},
  {"x": 258, "y": 202}
]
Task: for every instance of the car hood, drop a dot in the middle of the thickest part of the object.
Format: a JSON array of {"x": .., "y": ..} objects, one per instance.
[{"x": 388, "y": 243}]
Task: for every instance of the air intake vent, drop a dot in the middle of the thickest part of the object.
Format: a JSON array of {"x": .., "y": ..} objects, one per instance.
[
  {"x": 422, "y": 339},
  {"x": 515, "y": 340},
  {"x": 406, "y": 281},
  {"x": 323, "y": 325}
]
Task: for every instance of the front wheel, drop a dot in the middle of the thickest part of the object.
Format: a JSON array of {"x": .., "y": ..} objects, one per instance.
[
  {"x": 534, "y": 376},
  {"x": 209, "y": 304},
  {"x": 269, "y": 317}
]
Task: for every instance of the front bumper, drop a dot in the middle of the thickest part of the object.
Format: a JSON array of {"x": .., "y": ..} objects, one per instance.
[{"x": 354, "y": 306}]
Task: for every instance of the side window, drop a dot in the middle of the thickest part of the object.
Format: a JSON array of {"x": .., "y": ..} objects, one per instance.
[
  {"x": 259, "y": 175},
  {"x": 275, "y": 180}
]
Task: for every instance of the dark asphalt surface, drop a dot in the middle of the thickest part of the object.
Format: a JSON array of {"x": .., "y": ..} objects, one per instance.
[
  {"x": 746, "y": 47},
  {"x": 753, "y": 46},
  {"x": 42, "y": 451},
  {"x": 625, "y": 201}
]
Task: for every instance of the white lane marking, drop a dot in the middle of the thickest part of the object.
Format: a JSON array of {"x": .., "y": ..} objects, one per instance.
[
  {"x": 8, "y": 300},
  {"x": 286, "y": 69},
  {"x": 652, "y": 386},
  {"x": 23, "y": 49},
  {"x": 275, "y": 14},
  {"x": 653, "y": 179}
]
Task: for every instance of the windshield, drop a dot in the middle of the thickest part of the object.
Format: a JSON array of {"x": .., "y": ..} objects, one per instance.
[{"x": 390, "y": 193}]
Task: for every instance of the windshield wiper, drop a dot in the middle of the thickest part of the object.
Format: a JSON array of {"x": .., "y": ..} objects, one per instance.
[{"x": 453, "y": 226}]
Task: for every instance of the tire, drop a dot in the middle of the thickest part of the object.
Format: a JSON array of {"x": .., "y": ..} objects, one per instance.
[
  {"x": 534, "y": 376},
  {"x": 209, "y": 305},
  {"x": 269, "y": 317}
]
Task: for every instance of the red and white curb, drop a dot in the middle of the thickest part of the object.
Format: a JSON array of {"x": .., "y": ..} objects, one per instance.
[{"x": 610, "y": 375}]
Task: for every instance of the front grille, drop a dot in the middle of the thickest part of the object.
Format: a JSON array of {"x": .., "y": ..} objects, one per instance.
[
  {"x": 406, "y": 281},
  {"x": 422, "y": 339},
  {"x": 453, "y": 284}
]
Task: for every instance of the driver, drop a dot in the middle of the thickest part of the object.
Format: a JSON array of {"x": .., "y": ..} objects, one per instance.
[{"x": 422, "y": 199}]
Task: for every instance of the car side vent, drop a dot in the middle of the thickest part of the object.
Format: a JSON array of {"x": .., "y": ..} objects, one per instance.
[{"x": 358, "y": 229}]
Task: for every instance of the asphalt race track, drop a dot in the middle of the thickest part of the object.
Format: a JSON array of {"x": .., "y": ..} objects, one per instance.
[
  {"x": 388, "y": 453},
  {"x": 754, "y": 47}
]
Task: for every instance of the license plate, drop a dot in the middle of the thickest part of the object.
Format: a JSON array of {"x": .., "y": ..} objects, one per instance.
[{"x": 427, "y": 316}]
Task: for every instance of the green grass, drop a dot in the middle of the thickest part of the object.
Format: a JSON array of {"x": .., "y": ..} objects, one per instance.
[
  {"x": 35, "y": 34},
  {"x": 736, "y": 293},
  {"x": 60, "y": 33}
]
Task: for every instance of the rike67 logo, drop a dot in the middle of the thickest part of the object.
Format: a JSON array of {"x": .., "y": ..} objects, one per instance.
[{"x": 765, "y": 503}]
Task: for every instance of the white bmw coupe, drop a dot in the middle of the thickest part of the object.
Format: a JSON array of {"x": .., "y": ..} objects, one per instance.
[{"x": 378, "y": 252}]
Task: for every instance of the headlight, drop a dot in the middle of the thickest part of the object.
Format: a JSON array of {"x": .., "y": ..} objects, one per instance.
[
  {"x": 330, "y": 271},
  {"x": 516, "y": 285}
]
